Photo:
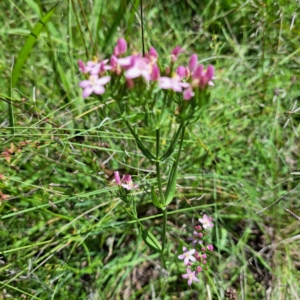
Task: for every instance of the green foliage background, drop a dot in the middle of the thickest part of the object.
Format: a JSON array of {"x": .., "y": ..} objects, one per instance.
[{"x": 64, "y": 234}]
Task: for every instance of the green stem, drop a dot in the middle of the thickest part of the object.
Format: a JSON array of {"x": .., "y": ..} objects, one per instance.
[
  {"x": 180, "y": 145},
  {"x": 157, "y": 165},
  {"x": 172, "y": 146},
  {"x": 164, "y": 230},
  {"x": 165, "y": 216},
  {"x": 161, "y": 195}
]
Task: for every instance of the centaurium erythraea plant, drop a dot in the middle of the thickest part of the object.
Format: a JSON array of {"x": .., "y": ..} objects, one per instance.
[
  {"x": 158, "y": 88},
  {"x": 195, "y": 259}
]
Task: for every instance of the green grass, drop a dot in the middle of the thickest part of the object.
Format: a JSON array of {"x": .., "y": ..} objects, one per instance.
[{"x": 63, "y": 232}]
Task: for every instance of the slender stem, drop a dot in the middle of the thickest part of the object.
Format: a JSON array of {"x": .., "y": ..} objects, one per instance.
[
  {"x": 142, "y": 28},
  {"x": 165, "y": 216},
  {"x": 165, "y": 209},
  {"x": 180, "y": 145},
  {"x": 157, "y": 165}
]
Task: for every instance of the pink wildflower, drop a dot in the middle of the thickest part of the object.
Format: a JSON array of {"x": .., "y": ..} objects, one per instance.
[
  {"x": 94, "y": 85},
  {"x": 206, "y": 221},
  {"x": 193, "y": 63},
  {"x": 155, "y": 74},
  {"x": 81, "y": 66},
  {"x": 196, "y": 238},
  {"x": 140, "y": 66},
  {"x": 190, "y": 276},
  {"x": 175, "y": 52},
  {"x": 126, "y": 62},
  {"x": 152, "y": 55},
  {"x": 187, "y": 256},
  {"x": 210, "y": 247},
  {"x": 173, "y": 83},
  {"x": 121, "y": 47},
  {"x": 103, "y": 66},
  {"x": 92, "y": 67},
  {"x": 181, "y": 72},
  {"x": 188, "y": 94},
  {"x": 125, "y": 182},
  {"x": 203, "y": 78}
]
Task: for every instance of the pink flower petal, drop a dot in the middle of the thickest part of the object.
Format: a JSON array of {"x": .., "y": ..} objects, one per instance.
[
  {"x": 193, "y": 62},
  {"x": 103, "y": 80},
  {"x": 117, "y": 177},
  {"x": 99, "y": 89},
  {"x": 87, "y": 92}
]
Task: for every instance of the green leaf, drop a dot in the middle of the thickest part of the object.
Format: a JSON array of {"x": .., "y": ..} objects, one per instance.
[
  {"x": 139, "y": 143},
  {"x": 171, "y": 187},
  {"x": 112, "y": 31},
  {"x": 172, "y": 146},
  {"x": 155, "y": 199},
  {"x": 151, "y": 240}
]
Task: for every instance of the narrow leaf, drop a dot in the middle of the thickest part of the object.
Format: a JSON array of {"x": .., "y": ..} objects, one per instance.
[
  {"x": 120, "y": 14},
  {"x": 155, "y": 199},
  {"x": 172, "y": 146},
  {"x": 151, "y": 240},
  {"x": 31, "y": 40},
  {"x": 23, "y": 54},
  {"x": 139, "y": 143},
  {"x": 171, "y": 187}
]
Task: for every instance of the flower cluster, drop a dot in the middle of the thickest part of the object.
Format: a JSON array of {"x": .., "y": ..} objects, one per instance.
[
  {"x": 194, "y": 259},
  {"x": 126, "y": 181},
  {"x": 184, "y": 79}
]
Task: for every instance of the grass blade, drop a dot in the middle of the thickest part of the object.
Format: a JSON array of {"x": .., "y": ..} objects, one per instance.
[{"x": 24, "y": 53}]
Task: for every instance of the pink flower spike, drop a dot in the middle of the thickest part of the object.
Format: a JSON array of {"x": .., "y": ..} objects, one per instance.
[
  {"x": 153, "y": 55},
  {"x": 188, "y": 94},
  {"x": 193, "y": 63},
  {"x": 181, "y": 71},
  {"x": 117, "y": 177},
  {"x": 203, "y": 78},
  {"x": 206, "y": 221},
  {"x": 198, "y": 72},
  {"x": 190, "y": 276},
  {"x": 175, "y": 52},
  {"x": 81, "y": 66},
  {"x": 121, "y": 47},
  {"x": 200, "y": 235},
  {"x": 210, "y": 247},
  {"x": 210, "y": 72},
  {"x": 125, "y": 182},
  {"x": 155, "y": 74},
  {"x": 94, "y": 85},
  {"x": 187, "y": 256},
  {"x": 127, "y": 178}
]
